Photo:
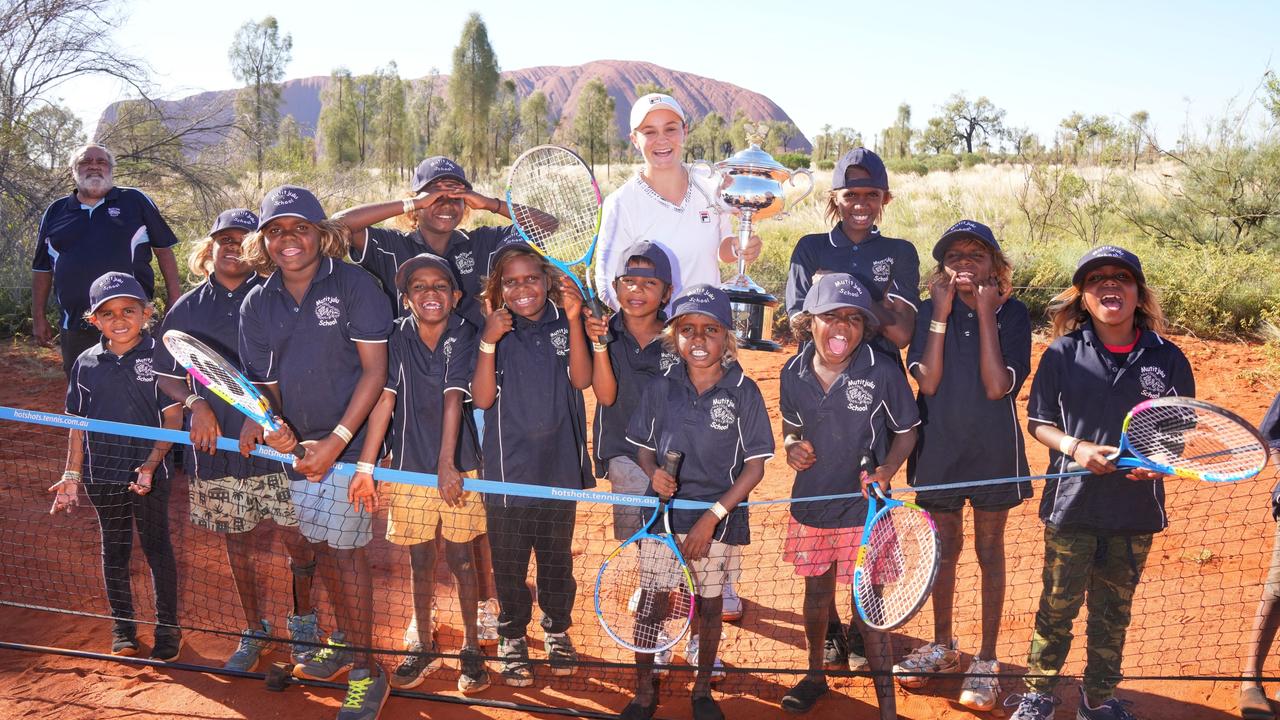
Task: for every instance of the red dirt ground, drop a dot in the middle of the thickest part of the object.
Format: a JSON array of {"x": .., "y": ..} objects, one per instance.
[{"x": 1202, "y": 606}]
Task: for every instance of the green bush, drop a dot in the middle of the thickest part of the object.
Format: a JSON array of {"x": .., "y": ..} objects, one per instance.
[
  {"x": 968, "y": 160},
  {"x": 794, "y": 161},
  {"x": 826, "y": 164},
  {"x": 906, "y": 166},
  {"x": 945, "y": 163}
]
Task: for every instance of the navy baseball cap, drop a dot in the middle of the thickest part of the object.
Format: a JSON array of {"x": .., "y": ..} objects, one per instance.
[
  {"x": 290, "y": 201},
  {"x": 113, "y": 285},
  {"x": 1107, "y": 255},
  {"x": 416, "y": 263},
  {"x": 865, "y": 159},
  {"x": 965, "y": 229},
  {"x": 235, "y": 219},
  {"x": 840, "y": 290},
  {"x": 649, "y": 251},
  {"x": 706, "y": 300},
  {"x": 436, "y": 167}
]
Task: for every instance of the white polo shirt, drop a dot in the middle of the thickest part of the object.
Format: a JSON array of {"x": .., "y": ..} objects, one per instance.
[{"x": 690, "y": 232}]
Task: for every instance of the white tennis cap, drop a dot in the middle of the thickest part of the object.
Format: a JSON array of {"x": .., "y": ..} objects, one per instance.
[{"x": 654, "y": 101}]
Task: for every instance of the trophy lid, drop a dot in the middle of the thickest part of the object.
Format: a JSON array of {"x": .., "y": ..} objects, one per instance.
[{"x": 754, "y": 159}]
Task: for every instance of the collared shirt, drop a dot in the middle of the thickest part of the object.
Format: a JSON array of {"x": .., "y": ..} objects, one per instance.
[
  {"x": 535, "y": 432},
  {"x": 420, "y": 377},
  {"x": 309, "y": 348},
  {"x": 118, "y": 388},
  {"x": 1080, "y": 389},
  {"x": 469, "y": 254},
  {"x": 78, "y": 244},
  {"x": 689, "y": 232},
  {"x": 634, "y": 367},
  {"x": 863, "y": 408},
  {"x": 211, "y": 314},
  {"x": 718, "y": 432},
  {"x": 965, "y": 436}
]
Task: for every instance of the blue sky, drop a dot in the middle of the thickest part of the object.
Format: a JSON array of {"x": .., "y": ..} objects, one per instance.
[{"x": 843, "y": 64}]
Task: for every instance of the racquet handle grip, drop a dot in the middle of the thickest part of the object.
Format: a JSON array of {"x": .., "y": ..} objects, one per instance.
[
  {"x": 598, "y": 310},
  {"x": 671, "y": 465}
]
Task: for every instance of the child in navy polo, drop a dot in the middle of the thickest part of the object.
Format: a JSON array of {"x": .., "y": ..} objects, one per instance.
[
  {"x": 431, "y": 355},
  {"x": 314, "y": 336},
  {"x": 706, "y": 408},
  {"x": 1108, "y": 357},
  {"x": 970, "y": 355},
  {"x": 1253, "y": 699},
  {"x": 838, "y": 398},
  {"x": 127, "y": 479},
  {"x": 229, "y": 494},
  {"x": 530, "y": 374}
]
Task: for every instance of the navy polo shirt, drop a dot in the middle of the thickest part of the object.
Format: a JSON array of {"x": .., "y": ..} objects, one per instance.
[
  {"x": 1270, "y": 429},
  {"x": 78, "y": 245},
  {"x": 420, "y": 376},
  {"x": 535, "y": 433},
  {"x": 118, "y": 388},
  {"x": 468, "y": 253},
  {"x": 309, "y": 348},
  {"x": 718, "y": 432},
  {"x": 965, "y": 436},
  {"x": 884, "y": 266},
  {"x": 1080, "y": 389},
  {"x": 211, "y": 314},
  {"x": 633, "y": 368},
  {"x": 864, "y": 407}
]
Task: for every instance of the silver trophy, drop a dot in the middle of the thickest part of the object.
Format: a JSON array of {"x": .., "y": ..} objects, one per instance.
[{"x": 751, "y": 186}]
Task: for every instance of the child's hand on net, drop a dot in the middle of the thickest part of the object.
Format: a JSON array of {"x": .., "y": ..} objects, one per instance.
[{"x": 68, "y": 494}]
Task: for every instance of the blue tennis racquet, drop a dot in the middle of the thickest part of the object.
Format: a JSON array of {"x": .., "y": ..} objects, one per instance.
[
  {"x": 549, "y": 180},
  {"x": 644, "y": 590},
  {"x": 223, "y": 379},
  {"x": 897, "y": 558}
]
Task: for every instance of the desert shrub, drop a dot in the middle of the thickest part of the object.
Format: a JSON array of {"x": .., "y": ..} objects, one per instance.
[
  {"x": 970, "y": 159},
  {"x": 945, "y": 163},
  {"x": 906, "y": 166},
  {"x": 826, "y": 165},
  {"x": 794, "y": 161}
]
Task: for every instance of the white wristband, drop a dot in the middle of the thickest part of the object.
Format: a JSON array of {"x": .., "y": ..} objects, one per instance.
[
  {"x": 1068, "y": 445},
  {"x": 719, "y": 511},
  {"x": 407, "y": 206},
  {"x": 364, "y": 467}
]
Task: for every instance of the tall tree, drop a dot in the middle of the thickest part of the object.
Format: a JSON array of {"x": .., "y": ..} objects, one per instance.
[
  {"x": 337, "y": 124},
  {"x": 973, "y": 120},
  {"x": 593, "y": 121},
  {"x": 897, "y": 138},
  {"x": 1138, "y": 121},
  {"x": 259, "y": 55},
  {"x": 390, "y": 124},
  {"x": 645, "y": 88},
  {"x": 534, "y": 119},
  {"x": 938, "y": 136},
  {"x": 504, "y": 121},
  {"x": 426, "y": 114},
  {"x": 472, "y": 89}
]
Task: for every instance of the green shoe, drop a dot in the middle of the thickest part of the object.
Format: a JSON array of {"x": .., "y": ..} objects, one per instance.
[
  {"x": 367, "y": 692},
  {"x": 328, "y": 662}
]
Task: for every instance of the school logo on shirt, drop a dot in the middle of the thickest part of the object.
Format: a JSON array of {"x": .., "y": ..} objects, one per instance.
[
  {"x": 447, "y": 349},
  {"x": 327, "y": 311},
  {"x": 723, "y": 413},
  {"x": 465, "y": 262},
  {"x": 881, "y": 269},
  {"x": 113, "y": 212},
  {"x": 143, "y": 371},
  {"x": 667, "y": 360},
  {"x": 1153, "y": 382},
  {"x": 560, "y": 341},
  {"x": 858, "y": 394}
]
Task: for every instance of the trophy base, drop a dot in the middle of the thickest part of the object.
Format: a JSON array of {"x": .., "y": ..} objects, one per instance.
[{"x": 753, "y": 310}]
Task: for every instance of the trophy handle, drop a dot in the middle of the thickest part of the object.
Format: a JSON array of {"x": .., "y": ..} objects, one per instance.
[
  {"x": 807, "y": 191},
  {"x": 711, "y": 175}
]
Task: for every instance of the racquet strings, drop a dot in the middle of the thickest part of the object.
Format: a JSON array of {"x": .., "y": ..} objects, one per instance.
[
  {"x": 556, "y": 182},
  {"x": 215, "y": 374},
  {"x": 646, "y": 596},
  {"x": 1196, "y": 439},
  {"x": 898, "y": 566}
]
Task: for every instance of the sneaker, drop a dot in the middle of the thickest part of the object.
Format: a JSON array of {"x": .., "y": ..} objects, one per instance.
[
  {"x": 473, "y": 676},
  {"x": 304, "y": 632},
  {"x": 980, "y": 693},
  {"x": 252, "y": 644},
  {"x": 124, "y": 641},
  {"x": 1113, "y": 709},
  {"x": 487, "y": 622},
  {"x": 367, "y": 692},
  {"x": 1032, "y": 706},
  {"x": 515, "y": 669},
  {"x": 801, "y": 698},
  {"x": 857, "y": 651},
  {"x": 167, "y": 645},
  {"x": 928, "y": 658},
  {"x": 415, "y": 668},
  {"x": 691, "y": 657},
  {"x": 835, "y": 650},
  {"x": 731, "y": 604},
  {"x": 663, "y": 658},
  {"x": 328, "y": 662},
  {"x": 563, "y": 658}
]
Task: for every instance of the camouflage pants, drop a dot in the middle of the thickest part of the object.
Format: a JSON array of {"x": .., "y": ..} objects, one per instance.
[{"x": 1079, "y": 569}]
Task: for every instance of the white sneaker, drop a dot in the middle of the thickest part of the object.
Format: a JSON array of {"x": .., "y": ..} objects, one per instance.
[
  {"x": 487, "y": 622},
  {"x": 928, "y": 658},
  {"x": 981, "y": 693},
  {"x": 662, "y": 659},
  {"x": 691, "y": 657},
  {"x": 731, "y": 608}
]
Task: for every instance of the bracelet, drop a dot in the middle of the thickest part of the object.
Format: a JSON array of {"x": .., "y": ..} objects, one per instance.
[
  {"x": 487, "y": 347},
  {"x": 72, "y": 475},
  {"x": 364, "y": 467},
  {"x": 342, "y": 432},
  {"x": 937, "y": 327},
  {"x": 192, "y": 399},
  {"x": 1068, "y": 445},
  {"x": 719, "y": 511},
  {"x": 407, "y": 206},
  {"x": 600, "y": 347}
]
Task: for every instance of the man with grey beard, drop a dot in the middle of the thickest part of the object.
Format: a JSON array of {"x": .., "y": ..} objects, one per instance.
[{"x": 96, "y": 229}]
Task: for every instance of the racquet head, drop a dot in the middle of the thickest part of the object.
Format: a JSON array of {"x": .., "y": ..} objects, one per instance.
[
  {"x": 221, "y": 377},
  {"x": 555, "y": 181},
  {"x": 896, "y": 564},
  {"x": 1193, "y": 439},
  {"x": 644, "y": 594}
]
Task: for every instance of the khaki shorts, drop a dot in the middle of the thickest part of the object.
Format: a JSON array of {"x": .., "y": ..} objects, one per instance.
[
  {"x": 719, "y": 568},
  {"x": 416, "y": 513},
  {"x": 236, "y": 505}
]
